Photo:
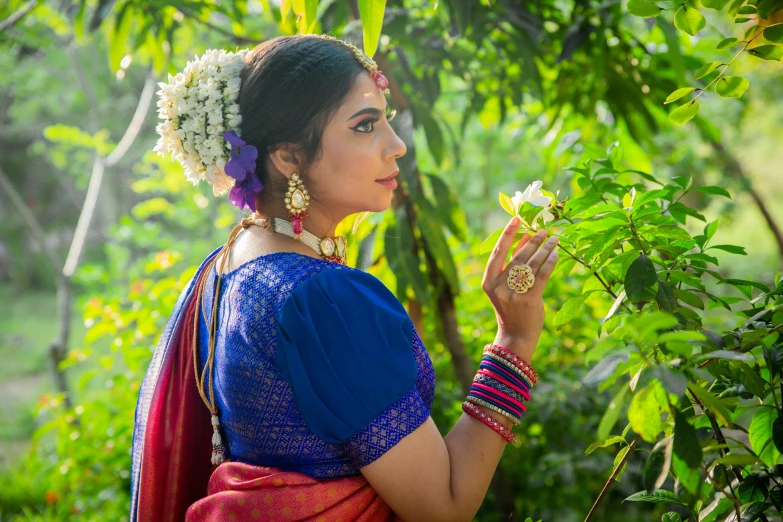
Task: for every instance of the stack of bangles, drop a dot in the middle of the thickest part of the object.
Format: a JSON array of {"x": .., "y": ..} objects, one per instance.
[{"x": 503, "y": 385}]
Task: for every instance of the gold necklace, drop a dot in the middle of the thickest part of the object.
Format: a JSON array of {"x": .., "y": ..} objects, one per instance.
[{"x": 330, "y": 248}]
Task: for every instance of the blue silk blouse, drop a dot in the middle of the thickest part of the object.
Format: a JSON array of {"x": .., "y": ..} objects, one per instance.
[{"x": 318, "y": 368}]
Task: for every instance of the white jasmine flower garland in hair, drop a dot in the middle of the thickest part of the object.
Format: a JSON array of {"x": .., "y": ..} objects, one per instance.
[{"x": 198, "y": 106}]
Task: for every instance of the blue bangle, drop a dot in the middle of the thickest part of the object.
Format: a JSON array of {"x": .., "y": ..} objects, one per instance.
[
  {"x": 497, "y": 401},
  {"x": 507, "y": 373}
]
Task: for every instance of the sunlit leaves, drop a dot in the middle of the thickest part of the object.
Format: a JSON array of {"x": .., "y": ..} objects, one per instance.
[
  {"x": 767, "y": 52},
  {"x": 714, "y": 4},
  {"x": 706, "y": 69},
  {"x": 689, "y": 20},
  {"x": 659, "y": 497},
  {"x": 569, "y": 310},
  {"x": 684, "y": 113},
  {"x": 760, "y": 435},
  {"x": 644, "y": 414},
  {"x": 711, "y": 402},
  {"x": 643, "y": 8},
  {"x": 726, "y": 43},
  {"x": 731, "y": 86},
  {"x": 506, "y": 203},
  {"x": 713, "y": 190},
  {"x": 679, "y": 93}
]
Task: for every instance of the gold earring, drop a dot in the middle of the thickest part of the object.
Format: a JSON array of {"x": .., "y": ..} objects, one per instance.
[{"x": 296, "y": 201}]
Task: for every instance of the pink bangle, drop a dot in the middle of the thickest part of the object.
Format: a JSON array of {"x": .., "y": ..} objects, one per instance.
[
  {"x": 483, "y": 387},
  {"x": 508, "y": 383},
  {"x": 513, "y": 358},
  {"x": 475, "y": 411}
]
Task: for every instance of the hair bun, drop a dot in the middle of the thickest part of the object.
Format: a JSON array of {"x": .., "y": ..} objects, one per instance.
[{"x": 197, "y": 107}]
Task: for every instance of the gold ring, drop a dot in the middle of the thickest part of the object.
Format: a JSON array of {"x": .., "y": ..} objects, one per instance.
[{"x": 521, "y": 278}]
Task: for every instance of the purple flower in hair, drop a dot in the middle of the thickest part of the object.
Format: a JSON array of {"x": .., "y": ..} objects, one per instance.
[{"x": 242, "y": 167}]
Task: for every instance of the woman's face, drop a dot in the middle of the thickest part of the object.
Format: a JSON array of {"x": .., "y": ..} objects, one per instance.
[{"x": 359, "y": 147}]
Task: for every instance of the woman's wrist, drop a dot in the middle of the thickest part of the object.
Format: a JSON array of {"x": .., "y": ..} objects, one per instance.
[{"x": 520, "y": 346}]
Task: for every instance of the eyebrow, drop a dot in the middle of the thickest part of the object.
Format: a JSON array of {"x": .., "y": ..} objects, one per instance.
[{"x": 369, "y": 110}]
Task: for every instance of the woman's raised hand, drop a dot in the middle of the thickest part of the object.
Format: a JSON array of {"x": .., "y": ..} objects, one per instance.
[{"x": 520, "y": 316}]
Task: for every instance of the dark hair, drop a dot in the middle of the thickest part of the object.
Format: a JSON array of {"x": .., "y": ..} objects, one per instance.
[{"x": 291, "y": 87}]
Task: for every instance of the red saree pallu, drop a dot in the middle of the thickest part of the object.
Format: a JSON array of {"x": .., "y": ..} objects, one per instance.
[{"x": 239, "y": 491}]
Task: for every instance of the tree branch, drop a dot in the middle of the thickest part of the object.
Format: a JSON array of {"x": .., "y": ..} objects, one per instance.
[
  {"x": 11, "y": 20},
  {"x": 612, "y": 477}
]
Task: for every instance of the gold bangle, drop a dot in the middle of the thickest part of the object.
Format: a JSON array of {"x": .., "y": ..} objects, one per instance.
[{"x": 514, "y": 418}]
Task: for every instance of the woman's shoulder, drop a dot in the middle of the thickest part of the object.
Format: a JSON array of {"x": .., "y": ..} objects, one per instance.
[{"x": 343, "y": 287}]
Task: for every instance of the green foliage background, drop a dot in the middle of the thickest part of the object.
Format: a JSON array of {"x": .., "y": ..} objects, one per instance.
[{"x": 672, "y": 389}]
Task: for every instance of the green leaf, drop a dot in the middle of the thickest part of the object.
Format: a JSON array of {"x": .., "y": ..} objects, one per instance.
[
  {"x": 751, "y": 380},
  {"x": 726, "y": 43},
  {"x": 712, "y": 403},
  {"x": 605, "y": 367},
  {"x": 739, "y": 460},
  {"x": 689, "y": 298},
  {"x": 679, "y": 93},
  {"x": 507, "y": 203},
  {"x": 659, "y": 497},
  {"x": 733, "y": 249},
  {"x": 777, "y": 433},
  {"x": 682, "y": 114},
  {"x": 604, "y": 443},
  {"x": 723, "y": 354},
  {"x": 671, "y": 516},
  {"x": 641, "y": 281},
  {"x": 752, "y": 489},
  {"x": 731, "y": 86},
  {"x": 665, "y": 297},
  {"x": 689, "y": 477},
  {"x": 686, "y": 444},
  {"x": 612, "y": 413},
  {"x": 371, "y": 13},
  {"x": 713, "y": 190},
  {"x": 774, "y": 33},
  {"x": 710, "y": 229},
  {"x": 760, "y": 435},
  {"x": 645, "y": 414},
  {"x": 767, "y": 52},
  {"x": 767, "y": 7},
  {"x": 689, "y": 20},
  {"x": 706, "y": 69},
  {"x": 714, "y": 4},
  {"x": 570, "y": 309},
  {"x": 643, "y": 8}
]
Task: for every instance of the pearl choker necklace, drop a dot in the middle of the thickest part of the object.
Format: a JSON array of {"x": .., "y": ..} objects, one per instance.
[{"x": 330, "y": 248}]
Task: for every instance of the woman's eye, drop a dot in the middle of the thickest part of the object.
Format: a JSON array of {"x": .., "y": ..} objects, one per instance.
[{"x": 365, "y": 123}]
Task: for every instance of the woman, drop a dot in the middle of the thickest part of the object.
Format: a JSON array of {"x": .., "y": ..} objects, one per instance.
[{"x": 305, "y": 376}]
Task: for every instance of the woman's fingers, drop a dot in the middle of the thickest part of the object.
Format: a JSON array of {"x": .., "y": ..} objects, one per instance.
[
  {"x": 522, "y": 242},
  {"x": 498, "y": 256},
  {"x": 545, "y": 271},
  {"x": 528, "y": 249},
  {"x": 537, "y": 260}
]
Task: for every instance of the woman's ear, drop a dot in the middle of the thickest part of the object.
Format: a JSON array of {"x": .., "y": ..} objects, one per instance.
[{"x": 285, "y": 160}]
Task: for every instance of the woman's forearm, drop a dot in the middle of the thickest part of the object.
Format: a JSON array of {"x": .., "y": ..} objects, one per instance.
[{"x": 475, "y": 450}]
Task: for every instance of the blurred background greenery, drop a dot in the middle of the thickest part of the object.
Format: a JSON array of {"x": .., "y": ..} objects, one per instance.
[{"x": 98, "y": 233}]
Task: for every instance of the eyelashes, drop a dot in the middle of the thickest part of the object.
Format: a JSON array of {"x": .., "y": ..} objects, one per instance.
[{"x": 390, "y": 114}]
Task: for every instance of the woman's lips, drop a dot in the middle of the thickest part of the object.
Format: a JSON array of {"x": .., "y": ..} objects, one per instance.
[{"x": 390, "y": 183}]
